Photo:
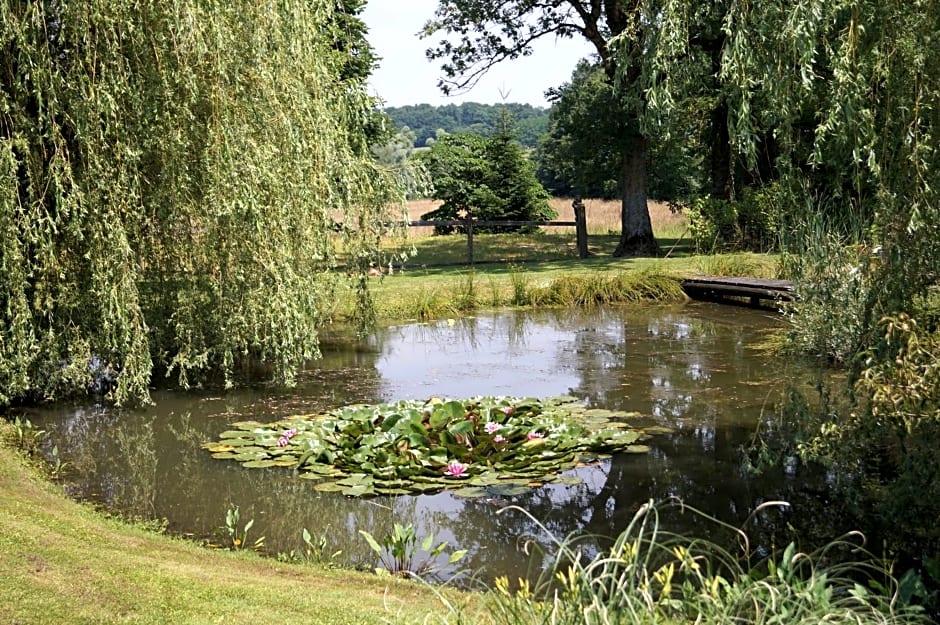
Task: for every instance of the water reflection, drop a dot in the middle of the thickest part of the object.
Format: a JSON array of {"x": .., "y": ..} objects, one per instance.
[{"x": 692, "y": 368}]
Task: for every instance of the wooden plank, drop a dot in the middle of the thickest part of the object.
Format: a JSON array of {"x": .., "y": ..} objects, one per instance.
[{"x": 719, "y": 288}]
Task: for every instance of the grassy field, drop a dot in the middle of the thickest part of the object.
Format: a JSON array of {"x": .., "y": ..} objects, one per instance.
[
  {"x": 542, "y": 268},
  {"x": 603, "y": 217}
]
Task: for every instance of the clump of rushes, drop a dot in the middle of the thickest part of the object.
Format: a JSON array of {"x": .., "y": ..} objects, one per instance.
[
  {"x": 477, "y": 447},
  {"x": 650, "y": 575}
]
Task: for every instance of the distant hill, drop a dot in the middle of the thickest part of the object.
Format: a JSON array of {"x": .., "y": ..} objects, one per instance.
[{"x": 425, "y": 120}]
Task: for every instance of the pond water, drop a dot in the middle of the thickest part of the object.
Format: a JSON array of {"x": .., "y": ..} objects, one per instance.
[{"x": 696, "y": 369}]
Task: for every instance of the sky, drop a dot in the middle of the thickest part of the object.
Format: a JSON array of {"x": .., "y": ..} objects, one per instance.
[{"x": 405, "y": 76}]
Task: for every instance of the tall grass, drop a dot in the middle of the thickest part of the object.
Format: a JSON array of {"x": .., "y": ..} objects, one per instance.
[
  {"x": 602, "y": 288},
  {"x": 649, "y": 575},
  {"x": 470, "y": 291},
  {"x": 743, "y": 264}
]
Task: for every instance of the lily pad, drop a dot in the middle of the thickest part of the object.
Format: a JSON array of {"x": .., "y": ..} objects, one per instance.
[
  {"x": 259, "y": 464},
  {"x": 471, "y": 492},
  {"x": 493, "y": 445}
]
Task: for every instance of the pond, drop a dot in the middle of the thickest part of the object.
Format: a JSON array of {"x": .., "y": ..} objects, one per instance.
[{"x": 696, "y": 369}]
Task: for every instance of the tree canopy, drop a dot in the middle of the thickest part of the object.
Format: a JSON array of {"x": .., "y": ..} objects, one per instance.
[
  {"x": 488, "y": 178},
  {"x": 170, "y": 172},
  {"x": 486, "y": 33},
  {"x": 581, "y": 152},
  {"x": 425, "y": 120}
]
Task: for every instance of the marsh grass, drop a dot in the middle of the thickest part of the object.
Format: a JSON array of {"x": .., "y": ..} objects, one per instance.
[
  {"x": 454, "y": 291},
  {"x": 649, "y": 575},
  {"x": 599, "y": 288},
  {"x": 744, "y": 264}
]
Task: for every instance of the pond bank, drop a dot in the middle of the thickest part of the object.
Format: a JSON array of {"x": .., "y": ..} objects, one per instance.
[{"x": 64, "y": 562}]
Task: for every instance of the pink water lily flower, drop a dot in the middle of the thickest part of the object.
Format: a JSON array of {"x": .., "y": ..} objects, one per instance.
[
  {"x": 499, "y": 438},
  {"x": 492, "y": 426},
  {"x": 534, "y": 435},
  {"x": 455, "y": 469},
  {"x": 284, "y": 441},
  {"x": 508, "y": 410}
]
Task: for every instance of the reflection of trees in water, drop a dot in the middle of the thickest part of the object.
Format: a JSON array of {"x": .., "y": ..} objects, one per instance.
[{"x": 673, "y": 367}]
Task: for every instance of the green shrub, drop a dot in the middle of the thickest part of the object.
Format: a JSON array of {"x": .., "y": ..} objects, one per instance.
[{"x": 749, "y": 223}]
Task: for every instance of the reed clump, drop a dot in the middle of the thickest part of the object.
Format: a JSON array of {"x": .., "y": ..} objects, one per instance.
[
  {"x": 649, "y": 575},
  {"x": 603, "y": 288}
]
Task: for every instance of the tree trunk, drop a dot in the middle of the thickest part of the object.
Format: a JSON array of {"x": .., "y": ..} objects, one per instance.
[
  {"x": 636, "y": 233},
  {"x": 720, "y": 152}
]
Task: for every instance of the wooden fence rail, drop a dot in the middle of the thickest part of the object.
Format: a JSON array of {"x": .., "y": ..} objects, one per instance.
[{"x": 580, "y": 225}]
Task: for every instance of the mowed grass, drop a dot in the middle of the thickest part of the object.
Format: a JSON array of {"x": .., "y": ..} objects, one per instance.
[{"x": 63, "y": 562}]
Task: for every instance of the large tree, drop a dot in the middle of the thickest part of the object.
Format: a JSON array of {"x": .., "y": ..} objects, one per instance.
[
  {"x": 487, "y": 33},
  {"x": 169, "y": 172},
  {"x": 581, "y": 152}
]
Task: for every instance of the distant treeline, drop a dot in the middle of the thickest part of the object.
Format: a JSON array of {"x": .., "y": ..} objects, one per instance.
[{"x": 425, "y": 120}]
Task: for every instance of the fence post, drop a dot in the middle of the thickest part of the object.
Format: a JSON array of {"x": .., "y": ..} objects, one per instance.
[
  {"x": 469, "y": 238},
  {"x": 580, "y": 221}
]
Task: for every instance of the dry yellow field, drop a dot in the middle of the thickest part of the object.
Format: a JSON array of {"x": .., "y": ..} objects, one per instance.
[{"x": 603, "y": 216}]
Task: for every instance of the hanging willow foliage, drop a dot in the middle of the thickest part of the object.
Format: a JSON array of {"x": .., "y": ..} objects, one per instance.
[
  {"x": 846, "y": 94},
  {"x": 169, "y": 174}
]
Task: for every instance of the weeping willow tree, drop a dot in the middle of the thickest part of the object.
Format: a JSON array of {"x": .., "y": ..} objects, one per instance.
[
  {"x": 171, "y": 172},
  {"x": 845, "y": 94}
]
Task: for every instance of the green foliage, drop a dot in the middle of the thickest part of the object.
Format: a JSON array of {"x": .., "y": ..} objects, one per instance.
[
  {"x": 169, "y": 178},
  {"x": 238, "y": 533},
  {"x": 482, "y": 446},
  {"x": 400, "y": 552},
  {"x": 314, "y": 551},
  {"x": 26, "y": 437},
  {"x": 602, "y": 288},
  {"x": 582, "y": 152},
  {"x": 488, "y": 178},
  {"x": 486, "y": 33},
  {"x": 426, "y": 120},
  {"x": 649, "y": 575},
  {"x": 748, "y": 224}
]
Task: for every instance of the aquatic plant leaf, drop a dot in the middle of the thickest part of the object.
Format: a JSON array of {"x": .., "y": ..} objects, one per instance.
[
  {"x": 509, "y": 490},
  {"x": 471, "y": 492},
  {"x": 405, "y": 446},
  {"x": 259, "y": 464},
  {"x": 240, "y": 442},
  {"x": 246, "y": 425},
  {"x": 327, "y": 487},
  {"x": 637, "y": 449},
  {"x": 249, "y": 456},
  {"x": 392, "y": 491},
  {"x": 232, "y": 434},
  {"x": 658, "y": 429}
]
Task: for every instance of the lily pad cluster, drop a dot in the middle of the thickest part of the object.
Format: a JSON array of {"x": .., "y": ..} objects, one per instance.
[{"x": 476, "y": 447}]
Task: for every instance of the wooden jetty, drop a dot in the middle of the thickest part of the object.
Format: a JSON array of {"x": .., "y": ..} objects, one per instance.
[{"x": 755, "y": 292}]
